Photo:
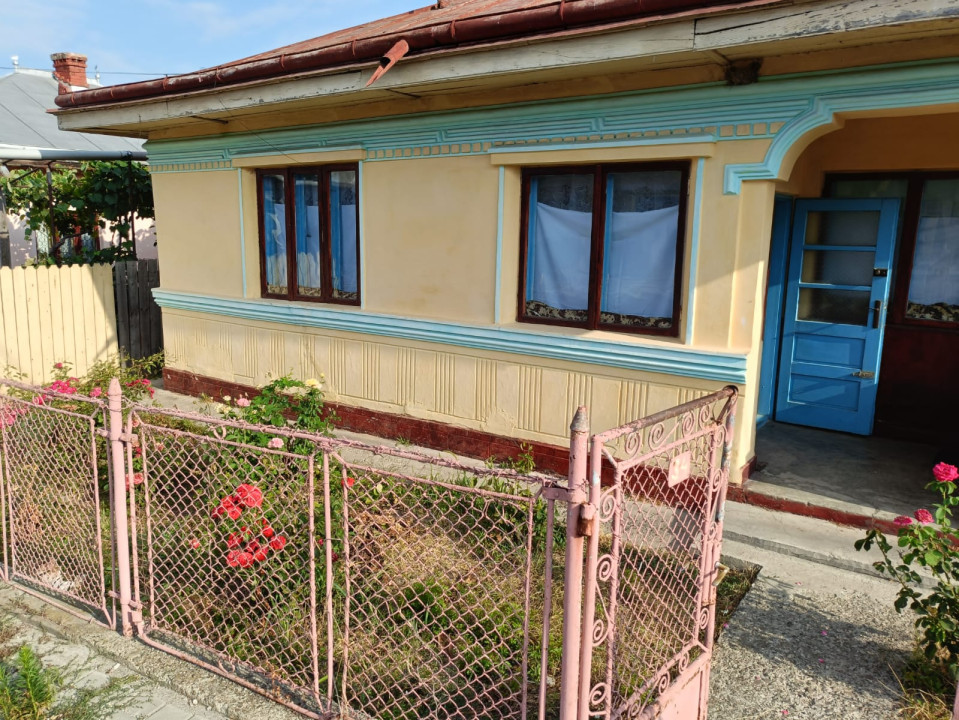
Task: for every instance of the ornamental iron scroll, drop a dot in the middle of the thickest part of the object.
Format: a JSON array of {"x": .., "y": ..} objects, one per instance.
[{"x": 663, "y": 483}]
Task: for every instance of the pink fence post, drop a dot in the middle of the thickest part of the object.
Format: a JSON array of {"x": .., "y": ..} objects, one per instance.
[
  {"x": 573, "y": 588},
  {"x": 119, "y": 509},
  {"x": 592, "y": 560}
]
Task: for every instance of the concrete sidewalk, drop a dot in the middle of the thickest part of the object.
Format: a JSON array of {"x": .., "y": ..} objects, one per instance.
[
  {"x": 162, "y": 687},
  {"x": 817, "y": 637}
]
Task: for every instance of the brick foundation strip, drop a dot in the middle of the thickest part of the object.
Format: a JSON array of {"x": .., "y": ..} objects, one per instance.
[{"x": 426, "y": 433}]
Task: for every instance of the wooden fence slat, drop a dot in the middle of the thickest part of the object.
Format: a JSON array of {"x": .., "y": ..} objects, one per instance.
[
  {"x": 143, "y": 288},
  {"x": 133, "y": 298},
  {"x": 123, "y": 307},
  {"x": 156, "y": 323}
]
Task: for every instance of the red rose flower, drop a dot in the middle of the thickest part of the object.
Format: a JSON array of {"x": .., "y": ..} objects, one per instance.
[
  {"x": 252, "y": 546},
  {"x": 234, "y": 541},
  {"x": 233, "y": 558},
  {"x": 348, "y": 481},
  {"x": 944, "y": 472},
  {"x": 924, "y": 516},
  {"x": 249, "y": 495},
  {"x": 194, "y": 543},
  {"x": 268, "y": 532},
  {"x": 234, "y": 513},
  {"x": 902, "y": 521},
  {"x": 244, "y": 559},
  {"x": 260, "y": 555},
  {"x": 278, "y": 543}
]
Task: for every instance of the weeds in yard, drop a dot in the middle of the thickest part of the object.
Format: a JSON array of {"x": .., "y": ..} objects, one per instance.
[
  {"x": 730, "y": 593},
  {"x": 30, "y": 691},
  {"x": 927, "y": 688}
]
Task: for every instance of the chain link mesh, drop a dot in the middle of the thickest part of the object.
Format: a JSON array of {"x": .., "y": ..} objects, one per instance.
[
  {"x": 55, "y": 528},
  {"x": 343, "y": 578}
]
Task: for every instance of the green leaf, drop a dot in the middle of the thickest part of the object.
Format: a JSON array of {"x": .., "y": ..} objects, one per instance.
[{"x": 933, "y": 558}]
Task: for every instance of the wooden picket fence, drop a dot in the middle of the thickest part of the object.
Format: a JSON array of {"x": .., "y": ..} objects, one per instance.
[
  {"x": 78, "y": 315},
  {"x": 139, "y": 329}
]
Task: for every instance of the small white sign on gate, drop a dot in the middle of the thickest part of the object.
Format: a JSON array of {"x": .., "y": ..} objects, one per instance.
[{"x": 680, "y": 468}]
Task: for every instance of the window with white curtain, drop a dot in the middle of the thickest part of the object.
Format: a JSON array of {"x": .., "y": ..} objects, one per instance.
[
  {"x": 309, "y": 239},
  {"x": 602, "y": 246}
]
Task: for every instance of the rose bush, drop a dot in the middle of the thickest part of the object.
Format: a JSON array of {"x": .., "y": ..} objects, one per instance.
[{"x": 927, "y": 541}]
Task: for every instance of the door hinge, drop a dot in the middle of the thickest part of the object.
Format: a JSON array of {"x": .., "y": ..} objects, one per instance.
[{"x": 864, "y": 374}]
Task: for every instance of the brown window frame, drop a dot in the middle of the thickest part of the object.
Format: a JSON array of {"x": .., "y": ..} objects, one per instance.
[
  {"x": 326, "y": 248},
  {"x": 600, "y": 172},
  {"x": 908, "y": 234}
]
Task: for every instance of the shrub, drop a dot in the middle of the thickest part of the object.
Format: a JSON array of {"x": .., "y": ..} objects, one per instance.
[{"x": 927, "y": 540}]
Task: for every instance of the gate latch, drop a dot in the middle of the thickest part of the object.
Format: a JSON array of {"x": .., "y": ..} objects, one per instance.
[
  {"x": 721, "y": 572},
  {"x": 587, "y": 514},
  {"x": 864, "y": 374}
]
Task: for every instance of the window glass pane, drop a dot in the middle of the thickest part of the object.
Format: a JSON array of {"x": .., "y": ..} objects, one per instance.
[
  {"x": 274, "y": 233},
  {"x": 343, "y": 234},
  {"x": 639, "y": 265},
  {"x": 846, "y": 307},
  {"x": 838, "y": 267},
  {"x": 306, "y": 198},
  {"x": 934, "y": 286},
  {"x": 869, "y": 188},
  {"x": 558, "y": 247},
  {"x": 842, "y": 227}
]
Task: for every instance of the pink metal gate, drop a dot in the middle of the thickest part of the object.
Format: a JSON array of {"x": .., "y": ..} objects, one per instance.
[{"x": 649, "y": 609}]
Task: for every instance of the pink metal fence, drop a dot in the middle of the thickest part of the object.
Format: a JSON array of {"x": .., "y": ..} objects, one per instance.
[
  {"x": 345, "y": 579},
  {"x": 54, "y": 472}
]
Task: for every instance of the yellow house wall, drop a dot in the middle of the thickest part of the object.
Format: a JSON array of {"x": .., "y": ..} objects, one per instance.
[
  {"x": 429, "y": 232},
  {"x": 506, "y": 394}
]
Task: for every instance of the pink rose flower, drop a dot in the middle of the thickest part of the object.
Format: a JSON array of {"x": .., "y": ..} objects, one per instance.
[
  {"x": 96, "y": 392},
  {"x": 275, "y": 444},
  {"x": 902, "y": 521},
  {"x": 924, "y": 516},
  {"x": 59, "y": 366},
  {"x": 243, "y": 402},
  {"x": 945, "y": 472}
]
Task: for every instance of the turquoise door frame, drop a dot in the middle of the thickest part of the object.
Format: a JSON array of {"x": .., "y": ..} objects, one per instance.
[
  {"x": 837, "y": 291},
  {"x": 775, "y": 295}
]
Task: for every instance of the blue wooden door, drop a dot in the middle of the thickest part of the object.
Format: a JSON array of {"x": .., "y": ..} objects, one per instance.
[{"x": 835, "y": 309}]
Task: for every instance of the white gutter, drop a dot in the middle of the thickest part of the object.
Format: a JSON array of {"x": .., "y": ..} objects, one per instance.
[{"x": 23, "y": 152}]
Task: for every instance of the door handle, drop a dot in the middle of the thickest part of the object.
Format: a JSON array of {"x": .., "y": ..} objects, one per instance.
[
  {"x": 876, "y": 309},
  {"x": 864, "y": 374}
]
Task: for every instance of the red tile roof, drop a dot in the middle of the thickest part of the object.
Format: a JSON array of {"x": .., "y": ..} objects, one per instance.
[{"x": 449, "y": 23}]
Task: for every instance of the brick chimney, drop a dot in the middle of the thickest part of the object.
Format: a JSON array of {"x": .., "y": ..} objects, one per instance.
[{"x": 70, "y": 69}]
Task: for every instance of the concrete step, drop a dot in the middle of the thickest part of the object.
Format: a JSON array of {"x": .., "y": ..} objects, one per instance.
[{"x": 796, "y": 536}]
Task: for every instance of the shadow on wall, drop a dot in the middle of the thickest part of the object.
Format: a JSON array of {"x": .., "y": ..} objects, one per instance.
[{"x": 23, "y": 248}]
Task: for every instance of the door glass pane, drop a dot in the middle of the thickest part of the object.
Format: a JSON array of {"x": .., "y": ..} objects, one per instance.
[
  {"x": 838, "y": 267},
  {"x": 842, "y": 227},
  {"x": 343, "y": 234},
  {"x": 639, "y": 256},
  {"x": 846, "y": 307},
  {"x": 274, "y": 233},
  {"x": 306, "y": 199},
  {"x": 934, "y": 286},
  {"x": 558, "y": 247}
]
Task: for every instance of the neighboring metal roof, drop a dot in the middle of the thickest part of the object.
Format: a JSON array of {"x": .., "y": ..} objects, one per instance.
[
  {"x": 447, "y": 24},
  {"x": 25, "y": 97}
]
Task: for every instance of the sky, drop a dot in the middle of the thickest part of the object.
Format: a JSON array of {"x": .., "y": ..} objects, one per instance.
[{"x": 130, "y": 40}]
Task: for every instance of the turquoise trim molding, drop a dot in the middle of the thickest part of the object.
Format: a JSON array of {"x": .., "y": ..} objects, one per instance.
[
  {"x": 499, "y": 245},
  {"x": 694, "y": 249},
  {"x": 682, "y": 362},
  {"x": 239, "y": 193},
  {"x": 886, "y": 89},
  {"x": 781, "y": 108}
]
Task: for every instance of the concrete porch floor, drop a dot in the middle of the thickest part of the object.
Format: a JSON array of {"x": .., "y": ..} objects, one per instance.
[{"x": 851, "y": 479}]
